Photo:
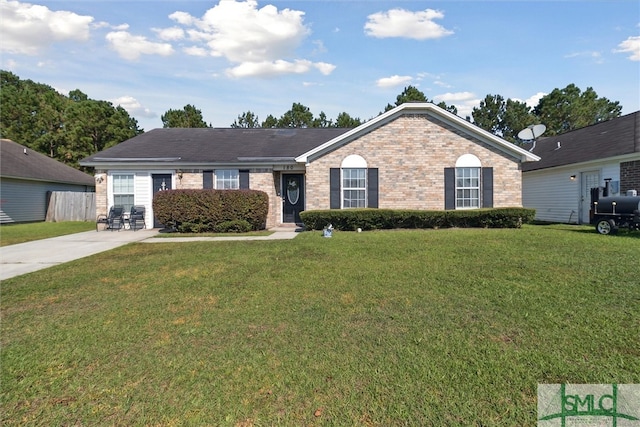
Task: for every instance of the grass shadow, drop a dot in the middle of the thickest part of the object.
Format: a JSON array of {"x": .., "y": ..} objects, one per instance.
[{"x": 584, "y": 228}]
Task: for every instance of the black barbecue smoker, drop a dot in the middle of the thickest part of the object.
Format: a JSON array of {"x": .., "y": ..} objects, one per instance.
[{"x": 609, "y": 213}]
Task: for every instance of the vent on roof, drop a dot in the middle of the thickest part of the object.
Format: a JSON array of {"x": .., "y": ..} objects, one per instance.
[{"x": 559, "y": 146}]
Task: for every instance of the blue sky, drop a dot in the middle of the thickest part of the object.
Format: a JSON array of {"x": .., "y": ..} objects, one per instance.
[{"x": 229, "y": 57}]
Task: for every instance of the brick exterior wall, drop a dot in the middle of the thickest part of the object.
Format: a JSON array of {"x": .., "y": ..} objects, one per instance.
[
  {"x": 266, "y": 180},
  {"x": 630, "y": 176},
  {"x": 411, "y": 153},
  {"x": 191, "y": 180}
]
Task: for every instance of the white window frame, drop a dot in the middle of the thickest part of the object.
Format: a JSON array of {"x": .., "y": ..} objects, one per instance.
[
  {"x": 227, "y": 179},
  {"x": 359, "y": 190},
  {"x": 468, "y": 182},
  {"x": 119, "y": 190},
  {"x": 353, "y": 164},
  {"x": 468, "y": 188}
]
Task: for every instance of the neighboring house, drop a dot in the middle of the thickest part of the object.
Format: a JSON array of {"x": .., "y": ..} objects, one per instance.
[
  {"x": 559, "y": 186},
  {"x": 416, "y": 156},
  {"x": 26, "y": 178}
]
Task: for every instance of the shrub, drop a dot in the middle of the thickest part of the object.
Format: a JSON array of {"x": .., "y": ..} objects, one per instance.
[
  {"x": 203, "y": 210},
  {"x": 374, "y": 219},
  {"x": 235, "y": 226}
]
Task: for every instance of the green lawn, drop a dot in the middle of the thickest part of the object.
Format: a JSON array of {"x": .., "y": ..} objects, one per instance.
[
  {"x": 390, "y": 328},
  {"x": 10, "y": 234}
]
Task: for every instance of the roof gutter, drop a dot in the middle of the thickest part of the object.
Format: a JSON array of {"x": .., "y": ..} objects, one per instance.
[
  {"x": 57, "y": 181},
  {"x": 241, "y": 162}
]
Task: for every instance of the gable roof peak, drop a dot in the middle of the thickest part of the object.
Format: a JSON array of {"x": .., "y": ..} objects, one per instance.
[{"x": 429, "y": 109}]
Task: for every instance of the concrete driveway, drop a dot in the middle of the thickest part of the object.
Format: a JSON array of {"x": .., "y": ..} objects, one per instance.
[{"x": 23, "y": 258}]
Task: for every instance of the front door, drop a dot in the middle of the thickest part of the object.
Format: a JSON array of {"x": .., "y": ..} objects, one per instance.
[
  {"x": 293, "y": 203},
  {"x": 161, "y": 182},
  {"x": 589, "y": 180}
]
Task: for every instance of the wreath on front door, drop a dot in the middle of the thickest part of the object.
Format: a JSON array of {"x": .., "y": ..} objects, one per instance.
[{"x": 293, "y": 192}]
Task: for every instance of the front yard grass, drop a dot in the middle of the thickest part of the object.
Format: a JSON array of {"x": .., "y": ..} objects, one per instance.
[
  {"x": 390, "y": 328},
  {"x": 10, "y": 234}
]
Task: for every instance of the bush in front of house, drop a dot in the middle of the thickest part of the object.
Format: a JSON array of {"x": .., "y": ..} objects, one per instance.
[
  {"x": 235, "y": 226},
  {"x": 378, "y": 219},
  {"x": 199, "y": 211}
]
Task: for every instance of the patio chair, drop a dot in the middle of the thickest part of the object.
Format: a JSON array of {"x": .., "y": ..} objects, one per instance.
[
  {"x": 113, "y": 221},
  {"x": 136, "y": 218}
]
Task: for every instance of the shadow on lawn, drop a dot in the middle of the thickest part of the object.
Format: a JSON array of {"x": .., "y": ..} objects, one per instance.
[{"x": 589, "y": 229}]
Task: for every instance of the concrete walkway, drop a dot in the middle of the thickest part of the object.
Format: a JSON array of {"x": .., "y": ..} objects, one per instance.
[
  {"x": 278, "y": 234},
  {"x": 23, "y": 258}
]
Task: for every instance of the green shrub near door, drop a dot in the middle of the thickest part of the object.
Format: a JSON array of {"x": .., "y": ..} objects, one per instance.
[{"x": 197, "y": 211}]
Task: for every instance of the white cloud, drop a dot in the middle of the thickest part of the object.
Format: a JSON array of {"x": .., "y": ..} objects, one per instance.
[
  {"x": 183, "y": 18},
  {"x": 595, "y": 55},
  {"x": 28, "y": 29},
  {"x": 442, "y": 84},
  {"x": 632, "y": 46},
  {"x": 101, "y": 24},
  {"x": 198, "y": 36},
  {"x": 133, "y": 106},
  {"x": 131, "y": 47},
  {"x": 533, "y": 100},
  {"x": 195, "y": 51},
  {"x": 324, "y": 68},
  {"x": 258, "y": 41},
  {"x": 452, "y": 98},
  {"x": 278, "y": 67},
  {"x": 170, "y": 34},
  {"x": 240, "y": 32},
  {"x": 393, "y": 81},
  {"x": 320, "y": 48},
  {"x": 464, "y": 101},
  {"x": 407, "y": 24}
]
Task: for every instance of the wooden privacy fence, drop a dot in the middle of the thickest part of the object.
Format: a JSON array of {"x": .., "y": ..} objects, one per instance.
[{"x": 71, "y": 206}]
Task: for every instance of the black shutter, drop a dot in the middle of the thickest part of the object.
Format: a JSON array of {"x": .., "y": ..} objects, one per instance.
[
  {"x": 449, "y": 188},
  {"x": 244, "y": 180},
  {"x": 207, "y": 179},
  {"x": 372, "y": 188},
  {"x": 334, "y": 188},
  {"x": 487, "y": 187}
]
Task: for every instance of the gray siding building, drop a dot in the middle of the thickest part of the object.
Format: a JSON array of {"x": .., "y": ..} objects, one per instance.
[{"x": 27, "y": 178}]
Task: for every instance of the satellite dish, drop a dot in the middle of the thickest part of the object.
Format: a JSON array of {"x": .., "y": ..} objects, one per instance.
[{"x": 530, "y": 133}]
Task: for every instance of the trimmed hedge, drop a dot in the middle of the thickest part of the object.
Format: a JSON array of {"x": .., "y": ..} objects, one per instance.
[
  {"x": 198, "y": 211},
  {"x": 376, "y": 219}
]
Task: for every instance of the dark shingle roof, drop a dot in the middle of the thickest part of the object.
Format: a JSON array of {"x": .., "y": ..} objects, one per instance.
[
  {"x": 18, "y": 161},
  {"x": 216, "y": 145},
  {"x": 615, "y": 137}
]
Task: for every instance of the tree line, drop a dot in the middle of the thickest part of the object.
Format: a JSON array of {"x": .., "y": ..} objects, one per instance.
[
  {"x": 71, "y": 127},
  {"x": 66, "y": 128},
  {"x": 562, "y": 110}
]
